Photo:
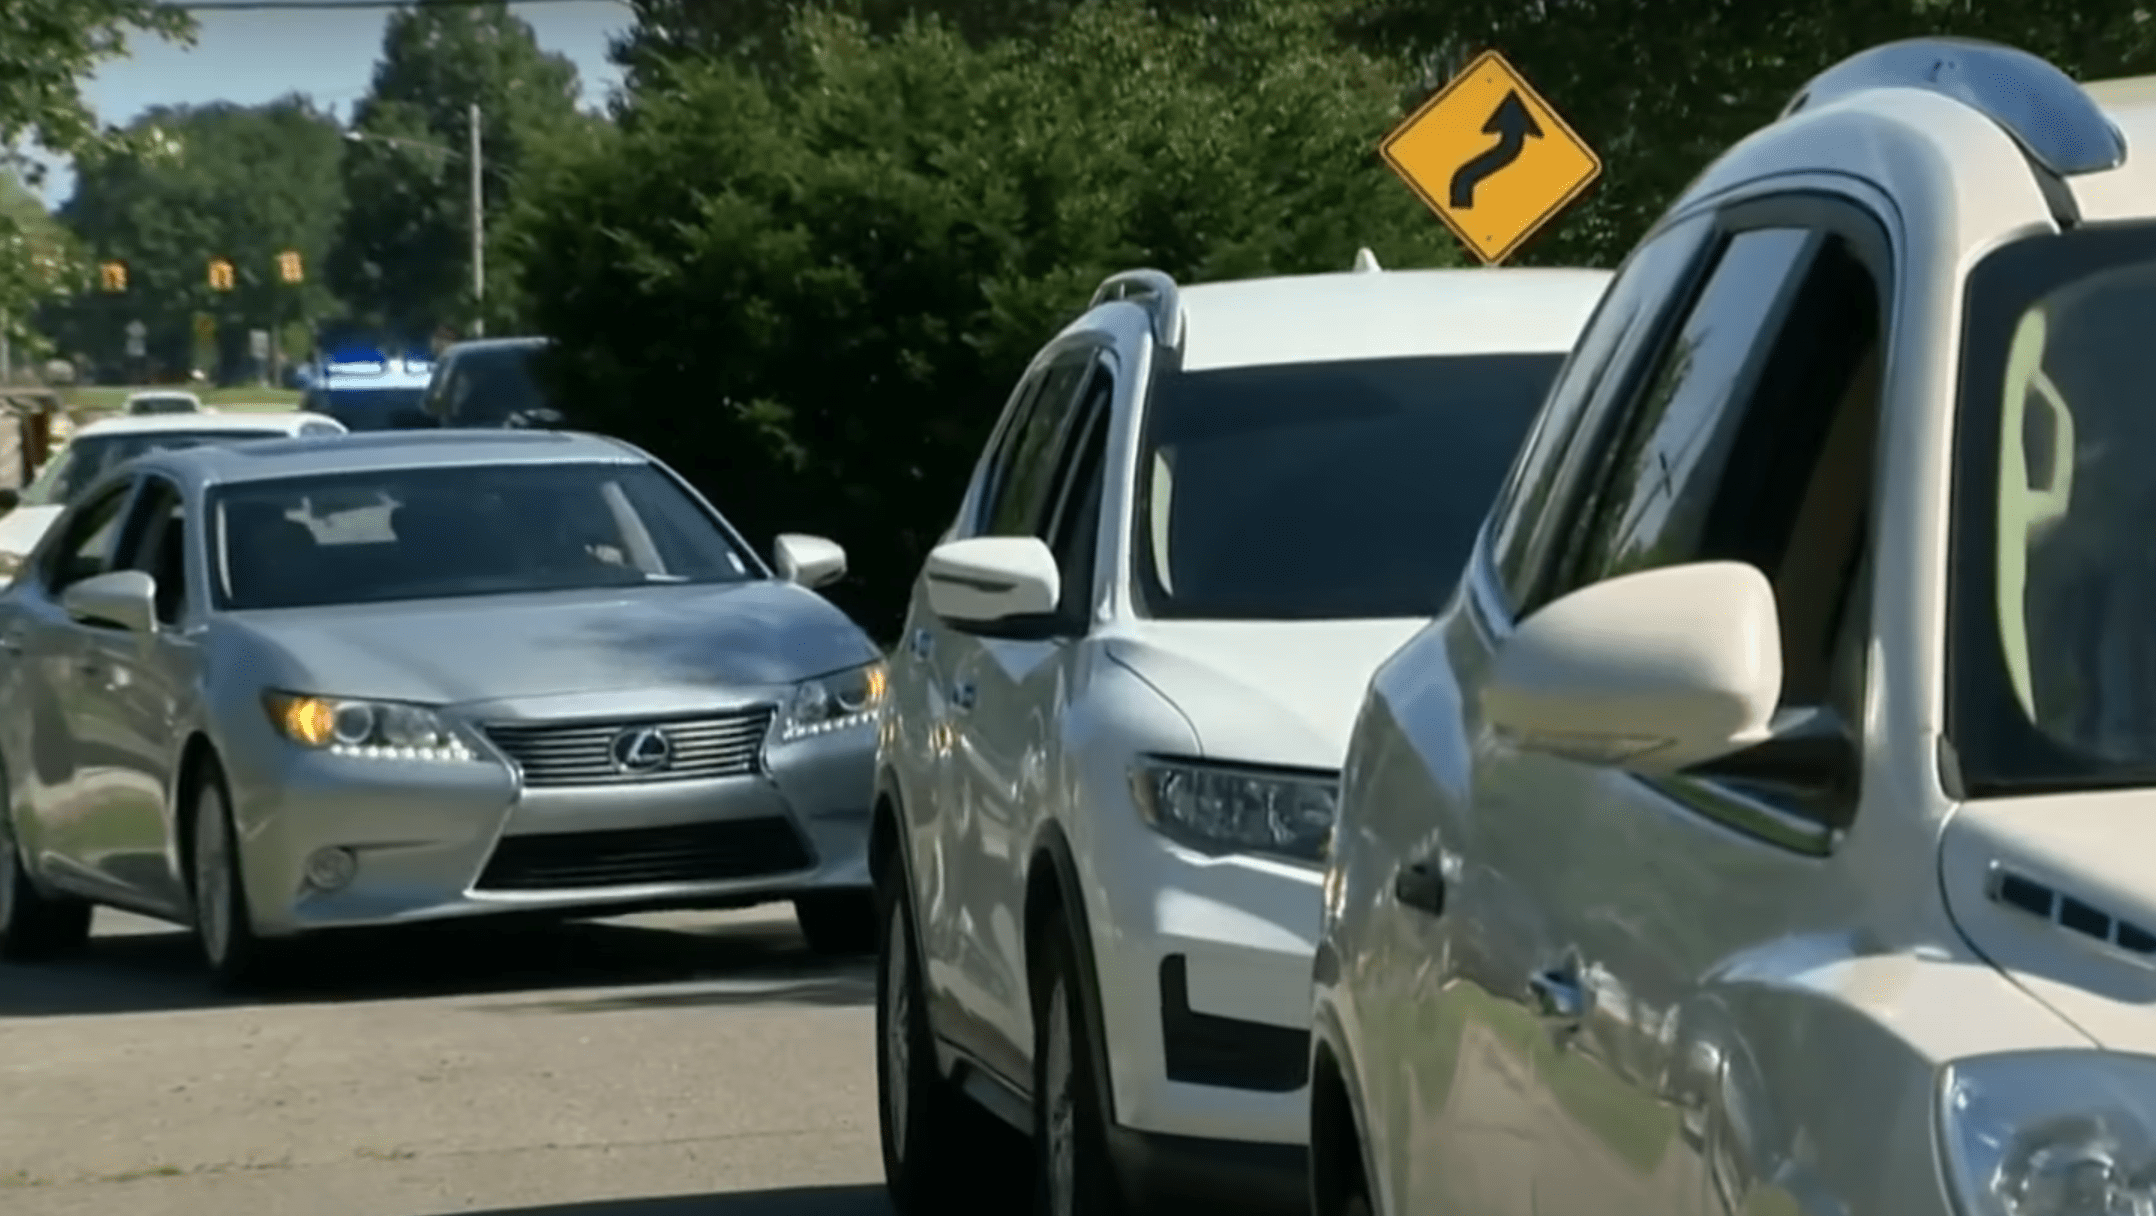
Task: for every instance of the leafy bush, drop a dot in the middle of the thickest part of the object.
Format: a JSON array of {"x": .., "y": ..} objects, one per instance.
[{"x": 811, "y": 290}]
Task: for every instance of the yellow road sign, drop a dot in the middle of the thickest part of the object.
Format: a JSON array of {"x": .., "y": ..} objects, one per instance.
[{"x": 1491, "y": 158}]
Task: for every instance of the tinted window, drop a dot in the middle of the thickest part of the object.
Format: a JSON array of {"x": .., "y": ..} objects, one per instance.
[
  {"x": 373, "y": 409},
  {"x": 407, "y": 534},
  {"x": 163, "y": 405},
  {"x": 490, "y": 385},
  {"x": 1019, "y": 491},
  {"x": 1328, "y": 490},
  {"x": 1535, "y": 501},
  {"x": 84, "y": 460},
  {"x": 85, "y": 549}
]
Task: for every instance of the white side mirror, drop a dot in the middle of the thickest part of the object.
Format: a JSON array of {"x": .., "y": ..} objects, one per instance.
[
  {"x": 1654, "y": 672},
  {"x": 123, "y": 598},
  {"x": 988, "y": 579},
  {"x": 809, "y": 561}
]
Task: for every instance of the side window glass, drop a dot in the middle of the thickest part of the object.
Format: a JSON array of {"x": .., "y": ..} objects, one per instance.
[
  {"x": 1072, "y": 530},
  {"x": 1531, "y": 508},
  {"x": 1756, "y": 441},
  {"x": 1021, "y": 498},
  {"x": 155, "y": 543},
  {"x": 997, "y": 458},
  {"x": 85, "y": 549}
]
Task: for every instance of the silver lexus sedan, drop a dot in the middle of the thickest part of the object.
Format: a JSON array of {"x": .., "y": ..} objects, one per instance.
[{"x": 361, "y": 681}]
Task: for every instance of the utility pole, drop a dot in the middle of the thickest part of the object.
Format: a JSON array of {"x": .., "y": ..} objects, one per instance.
[{"x": 479, "y": 231}]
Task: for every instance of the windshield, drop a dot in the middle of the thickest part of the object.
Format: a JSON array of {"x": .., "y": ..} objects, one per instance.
[
  {"x": 1327, "y": 490},
  {"x": 90, "y": 457},
  {"x": 410, "y": 534},
  {"x": 163, "y": 405},
  {"x": 487, "y": 386},
  {"x": 2053, "y": 618},
  {"x": 372, "y": 408}
]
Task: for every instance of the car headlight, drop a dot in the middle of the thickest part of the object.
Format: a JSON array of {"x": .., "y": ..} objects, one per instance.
[
  {"x": 2051, "y": 1133},
  {"x": 1218, "y": 808},
  {"x": 345, "y": 726},
  {"x": 835, "y": 702}
]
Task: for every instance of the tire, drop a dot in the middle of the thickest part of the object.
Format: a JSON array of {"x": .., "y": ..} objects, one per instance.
[
  {"x": 34, "y": 927},
  {"x": 838, "y": 923},
  {"x": 1074, "y": 1174},
  {"x": 238, "y": 959},
  {"x": 926, "y": 1125}
]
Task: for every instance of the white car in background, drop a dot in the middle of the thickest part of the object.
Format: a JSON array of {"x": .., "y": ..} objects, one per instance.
[
  {"x": 106, "y": 444},
  {"x": 1126, "y": 688},
  {"x": 163, "y": 401}
]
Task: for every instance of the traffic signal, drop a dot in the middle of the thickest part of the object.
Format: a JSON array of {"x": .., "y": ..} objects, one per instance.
[
  {"x": 220, "y": 275},
  {"x": 288, "y": 267},
  {"x": 112, "y": 276}
]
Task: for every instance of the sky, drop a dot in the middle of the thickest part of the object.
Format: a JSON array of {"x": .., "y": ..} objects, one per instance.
[{"x": 329, "y": 53}]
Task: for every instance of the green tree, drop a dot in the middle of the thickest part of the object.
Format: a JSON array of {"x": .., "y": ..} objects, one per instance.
[
  {"x": 39, "y": 264},
  {"x": 47, "y": 47},
  {"x": 1661, "y": 90},
  {"x": 237, "y": 182},
  {"x": 813, "y": 296},
  {"x": 403, "y": 259}
]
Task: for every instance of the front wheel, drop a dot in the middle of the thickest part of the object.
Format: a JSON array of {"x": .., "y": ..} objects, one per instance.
[
  {"x": 34, "y": 926},
  {"x": 929, "y": 1130},
  {"x": 224, "y": 924},
  {"x": 1070, "y": 1119},
  {"x": 838, "y": 923}
]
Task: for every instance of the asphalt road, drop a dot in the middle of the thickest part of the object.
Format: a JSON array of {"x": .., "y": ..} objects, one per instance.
[{"x": 677, "y": 1065}]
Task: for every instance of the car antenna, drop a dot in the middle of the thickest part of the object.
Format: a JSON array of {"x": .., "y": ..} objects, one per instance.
[{"x": 1366, "y": 261}]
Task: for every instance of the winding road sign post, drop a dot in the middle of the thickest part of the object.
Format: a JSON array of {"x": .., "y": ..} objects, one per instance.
[{"x": 1491, "y": 158}]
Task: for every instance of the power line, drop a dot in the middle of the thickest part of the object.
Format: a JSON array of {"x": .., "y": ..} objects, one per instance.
[{"x": 301, "y": 6}]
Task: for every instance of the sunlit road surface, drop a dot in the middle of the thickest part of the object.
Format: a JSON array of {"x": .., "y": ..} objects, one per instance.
[{"x": 652, "y": 1066}]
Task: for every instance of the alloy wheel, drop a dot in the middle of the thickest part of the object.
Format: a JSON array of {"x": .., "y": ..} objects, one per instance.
[
  {"x": 898, "y": 1034},
  {"x": 1061, "y": 1106}
]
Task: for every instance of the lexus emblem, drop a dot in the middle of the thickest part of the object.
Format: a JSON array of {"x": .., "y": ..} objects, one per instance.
[{"x": 642, "y": 749}]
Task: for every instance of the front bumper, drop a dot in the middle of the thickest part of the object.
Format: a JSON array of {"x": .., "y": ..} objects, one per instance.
[
  {"x": 1205, "y": 992},
  {"x": 439, "y": 840}
]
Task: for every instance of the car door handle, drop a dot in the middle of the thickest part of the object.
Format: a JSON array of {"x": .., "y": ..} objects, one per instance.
[
  {"x": 1558, "y": 995},
  {"x": 1420, "y": 886},
  {"x": 921, "y": 643},
  {"x": 963, "y": 694}
]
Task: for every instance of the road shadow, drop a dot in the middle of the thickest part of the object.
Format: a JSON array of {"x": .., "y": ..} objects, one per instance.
[
  {"x": 713, "y": 958},
  {"x": 794, "y": 1201}
]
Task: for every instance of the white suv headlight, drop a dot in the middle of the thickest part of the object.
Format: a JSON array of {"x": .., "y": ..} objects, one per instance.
[
  {"x": 1225, "y": 808},
  {"x": 835, "y": 702},
  {"x": 2051, "y": 1133},
  {"x": 348, "y": 726}
]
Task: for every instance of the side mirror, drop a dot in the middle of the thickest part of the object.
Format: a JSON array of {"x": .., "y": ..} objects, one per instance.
[
  {"x": 809, "y": 561},
  {"x": 10, "y": 498},
  {"x": 992, "y": 580},
  {"x": 126, "y": 599},
  {"x": 1653, "y": 672},
  {"x": 539, "y": 419}
]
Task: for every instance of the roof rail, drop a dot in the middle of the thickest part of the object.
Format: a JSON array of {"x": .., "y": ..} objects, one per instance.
[
  {"x": 1151, "y": 290},
  {"x": 2058, "y": 125},
  {"x": 1366, "y": 261}
]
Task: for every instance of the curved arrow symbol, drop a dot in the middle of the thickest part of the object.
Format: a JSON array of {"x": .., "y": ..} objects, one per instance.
[{"x": 1513, "y": 126}]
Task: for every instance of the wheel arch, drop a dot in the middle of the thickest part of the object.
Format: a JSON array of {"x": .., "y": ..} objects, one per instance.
[
  {"x": 197, "y": 756},
  {"x": 1339, "y": 1164},
  {"x": 1055, "y": 889}
]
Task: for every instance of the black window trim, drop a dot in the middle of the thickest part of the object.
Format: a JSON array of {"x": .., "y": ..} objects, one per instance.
[
  {"x": 1093, "y": 411},
  {"x": 1070, "y": 349},
  {"x": 1872, "y": 237}
]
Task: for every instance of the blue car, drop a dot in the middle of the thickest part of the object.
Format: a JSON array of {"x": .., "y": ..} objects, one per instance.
[{"x": 374, "y": 392}]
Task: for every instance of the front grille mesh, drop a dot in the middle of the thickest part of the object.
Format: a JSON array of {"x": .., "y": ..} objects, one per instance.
[
  {"x": 581, "y": 753},
  {"x": 697, "y": 852}
]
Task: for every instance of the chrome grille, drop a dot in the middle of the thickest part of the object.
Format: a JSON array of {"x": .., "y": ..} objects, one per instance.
[{"x": 582, "y": 753}]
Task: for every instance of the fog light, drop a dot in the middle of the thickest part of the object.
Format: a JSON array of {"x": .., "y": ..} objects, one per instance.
[{"x": 330, "y": 869}]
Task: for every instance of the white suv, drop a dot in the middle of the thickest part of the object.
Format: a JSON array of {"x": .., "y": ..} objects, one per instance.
[
  {"x": 1765, "y": 826},
  {"x": 1127, "y": 681}
]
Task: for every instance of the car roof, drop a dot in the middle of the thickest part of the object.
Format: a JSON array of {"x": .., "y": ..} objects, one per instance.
[
  {"x": 1385, "y": 314},
  {"x": 526, "y": 342},
  {"x": 309, "y": 456},
  {"x": 154, "y": 393},
  {"x": 284, "y": 422}
]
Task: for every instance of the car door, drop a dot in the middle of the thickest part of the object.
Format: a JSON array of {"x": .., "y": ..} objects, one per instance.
[
  {"x": 931, "y": 728},
  {"x": 62, "y": 751},
  {"x": 1448, "y": 1105},
  {"x": 1748, "y": 434},
  {"x": 135, "y": 684},
  {"x": 1004, "y": 687}
]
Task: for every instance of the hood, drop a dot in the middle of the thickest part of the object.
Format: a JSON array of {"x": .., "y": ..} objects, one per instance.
[
  {"x": 2056, "y": 891},
  {"x": 653, "y": 642},
  {"x": 1273, "y": 692},
  {"x": 23, "y": 527}
]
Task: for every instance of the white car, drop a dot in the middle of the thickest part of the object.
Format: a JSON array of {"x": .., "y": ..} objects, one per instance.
[
  {"x": 163, "y": 401},
  {"x": 106, "y": 444},
  {"x": 1129, "y": 673},
  {"x": 1764, "y": 827}
]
